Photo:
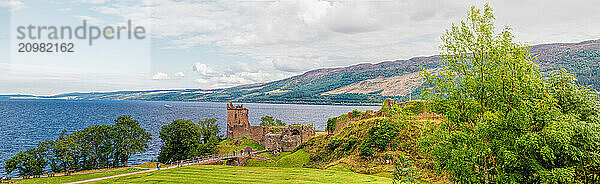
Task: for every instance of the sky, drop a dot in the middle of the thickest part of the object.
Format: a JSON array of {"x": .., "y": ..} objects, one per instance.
[{"x": 211, "y": 44}]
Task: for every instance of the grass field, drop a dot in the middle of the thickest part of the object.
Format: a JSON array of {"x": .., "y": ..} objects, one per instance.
[
  {"x": 77, "y": 177},
  {"x": 233, "y": 174}
]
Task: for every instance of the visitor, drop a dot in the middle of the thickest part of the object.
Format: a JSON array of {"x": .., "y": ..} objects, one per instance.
[{"x": 158, "y": 165}]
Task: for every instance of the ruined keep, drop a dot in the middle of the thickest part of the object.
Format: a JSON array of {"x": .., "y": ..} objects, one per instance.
[{"x": 285, "y": 138}]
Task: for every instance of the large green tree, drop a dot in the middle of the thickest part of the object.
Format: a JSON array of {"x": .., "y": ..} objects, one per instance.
[
  {"x": 130, "y": 138},
  {"x": 506, "y": 122},
  {"x": 182, "y": 139}
]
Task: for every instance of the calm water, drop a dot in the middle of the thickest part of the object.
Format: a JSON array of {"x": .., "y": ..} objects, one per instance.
[{"x": 23, "y": 123}]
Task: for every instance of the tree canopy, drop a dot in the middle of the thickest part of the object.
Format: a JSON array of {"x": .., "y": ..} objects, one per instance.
[
  {"x": 270, "y": 121},
  {"x": 183, "y": 139},
  {"x": 506, "y": 121},
  {"x": 94, "y": 147}
]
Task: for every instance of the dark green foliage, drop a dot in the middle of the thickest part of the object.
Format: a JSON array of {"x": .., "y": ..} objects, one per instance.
[
  {"x": 29, "y": 163},
  {"x": 183, "y": 139},
  {"x": 209, "y": 130},
  {"x": 331, "y": 125},
  {"x": 366, "y": 149},
  {"x": 415, "y": 107},
  {"x": 129, "y": 138},
  {"x": 354, "y": 114},
  {"x": 335, "y": 144},
  {"x": 99, "y": 146},
  {"x": 380, "y": 137},
  {"x": 506, "y": 123},
  {"x": 270, "y": 121}
]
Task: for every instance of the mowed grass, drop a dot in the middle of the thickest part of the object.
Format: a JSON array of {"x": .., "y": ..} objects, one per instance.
[
  {"x": 233, "y": 174},
  {"x": 78, "y": 177}
]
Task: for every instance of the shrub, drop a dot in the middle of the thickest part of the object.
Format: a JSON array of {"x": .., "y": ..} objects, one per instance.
[
  {"x": 331, "y": 124},
  {"x": 415, "y": 107},
  {"x": 274, "y": 129},
  {"x": 383, "y": 134},
  {"x": 366, "y": 149},
  {"x": 335, "y": 144}
]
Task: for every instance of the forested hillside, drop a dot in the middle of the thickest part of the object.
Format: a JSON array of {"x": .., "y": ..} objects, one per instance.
[{"x": 363, "y": 84}]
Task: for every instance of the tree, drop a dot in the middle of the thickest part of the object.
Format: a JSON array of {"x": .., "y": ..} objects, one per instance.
[
  {"x": 209, "y": 130},
  {"x": 505, "y": 122},
  {"x": 331, "y": 125},
  {"x": 98, "y": 146},
  {"x": 130, "y": 139},
  {"x": 180, "y": 140},
  {"x": 29, "y": 163},
  {"x": 270, "y": 121}
]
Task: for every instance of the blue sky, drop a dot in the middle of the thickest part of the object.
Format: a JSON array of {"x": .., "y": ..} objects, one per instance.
[{"x": 214, "y": 44}]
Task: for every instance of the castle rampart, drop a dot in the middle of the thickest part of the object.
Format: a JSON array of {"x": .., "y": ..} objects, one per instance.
[{"x": 285, "y": 140}]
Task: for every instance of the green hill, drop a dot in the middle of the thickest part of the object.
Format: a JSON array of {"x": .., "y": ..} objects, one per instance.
[
  {"x": 378, "y": 143},
  {"x": 363, "y": 84}
]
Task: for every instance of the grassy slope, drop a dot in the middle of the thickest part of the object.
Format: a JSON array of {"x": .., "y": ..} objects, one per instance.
[
  {"x": 286, "y": 159},
  {"x": 237, "y": 144},
  {"x": 232, "y": 174},
  {"x": 341, "y": 151},
  {"x": 78, "y": 177}
]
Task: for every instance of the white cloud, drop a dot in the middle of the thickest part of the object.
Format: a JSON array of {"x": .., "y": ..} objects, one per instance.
[
  {"x": 160, "y": 76},
  {"x": 179, "y": 74},
  {"x": 63, "y": 9},
  {"x": 12, "y": 4},
  {"x": 236, "y": 74},
  {"x": 204, "y": 70},
  {"x": 288, "y": 37}
]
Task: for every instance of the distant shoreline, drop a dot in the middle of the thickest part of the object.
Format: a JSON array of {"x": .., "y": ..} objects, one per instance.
[{"x": 171, "y": 101}]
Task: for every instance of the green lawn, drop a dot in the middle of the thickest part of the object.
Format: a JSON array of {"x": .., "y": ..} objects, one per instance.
[
  {"x": 78, "y": 177},
  {"x": 233, "y": 174}
]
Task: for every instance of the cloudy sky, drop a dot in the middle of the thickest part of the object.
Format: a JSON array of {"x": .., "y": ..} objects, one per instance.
[{"x": 213, "y": 44}]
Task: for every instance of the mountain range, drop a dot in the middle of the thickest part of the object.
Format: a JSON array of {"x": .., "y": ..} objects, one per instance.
[{"x": 362, "y": 84}]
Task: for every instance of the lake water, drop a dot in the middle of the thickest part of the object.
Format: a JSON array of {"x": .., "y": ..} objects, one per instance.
[{"x": 23, "y": 123}]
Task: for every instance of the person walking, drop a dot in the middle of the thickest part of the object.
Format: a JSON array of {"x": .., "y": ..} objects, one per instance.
[{"x": 158, "y": 165}]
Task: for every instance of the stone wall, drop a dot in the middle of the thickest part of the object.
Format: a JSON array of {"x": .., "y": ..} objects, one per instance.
[{"x": 287, "y": 140}]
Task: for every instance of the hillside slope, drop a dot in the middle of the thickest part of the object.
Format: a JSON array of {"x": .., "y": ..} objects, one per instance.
[{"x": 363, "y": 84}]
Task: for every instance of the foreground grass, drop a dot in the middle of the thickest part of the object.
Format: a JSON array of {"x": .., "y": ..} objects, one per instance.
[
  {"x": 233, "y": 174},
  {"x": 78, "y": 177}
]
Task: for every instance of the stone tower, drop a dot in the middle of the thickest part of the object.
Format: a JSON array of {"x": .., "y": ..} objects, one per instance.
[{"x": 237, "y": 121}]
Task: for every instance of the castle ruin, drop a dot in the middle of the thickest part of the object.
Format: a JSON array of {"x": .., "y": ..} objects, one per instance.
[{"x": 286, "y": 138}]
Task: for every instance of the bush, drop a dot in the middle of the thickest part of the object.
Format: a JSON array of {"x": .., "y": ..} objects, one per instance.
[
  {"x": 332, "y": 124},
  {"x": 274, "y": 129},
  {"x": 366, "y": 149},
  {"x": 415, "y": 107},
  {"x": 382, "y": 135},
  {"x": 334, "y": 144}
]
